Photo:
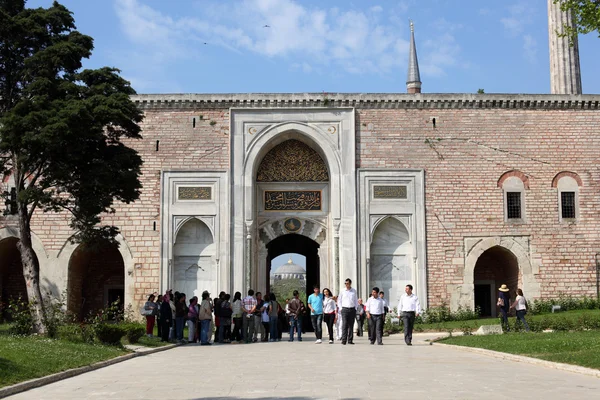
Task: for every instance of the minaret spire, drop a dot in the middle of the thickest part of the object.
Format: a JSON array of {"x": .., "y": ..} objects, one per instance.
[
  {"x": 565, "y": 71},
  {"x": 413, "y": 81}
]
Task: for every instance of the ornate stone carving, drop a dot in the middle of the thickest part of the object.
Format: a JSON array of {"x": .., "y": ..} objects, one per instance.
[
  {"x": 292, "y": 200},
  {"x": 194, "y": 193},
  {"x": 292, "y": 225},
  {"x": 389, "y": 192},
  {"x": 292, "y": 161}
]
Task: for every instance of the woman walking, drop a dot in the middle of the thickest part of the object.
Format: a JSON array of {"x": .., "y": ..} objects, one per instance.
[
  {"x": 520, "y": 306},
  {"x": 236, "y": 308},
  {"x": 205, "y": 316},
  {"x": 329, "y": 312},
  {"x": 504, "y": 304},
  {"x": 192, "y": 319},
  {"x": 273, "y": 318},
  {"x": 150, "y": 307}
]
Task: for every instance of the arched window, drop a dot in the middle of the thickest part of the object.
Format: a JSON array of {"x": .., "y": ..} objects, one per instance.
[
  {"x": 567, "y": 185},
  {"x": 513, "y": 184}
]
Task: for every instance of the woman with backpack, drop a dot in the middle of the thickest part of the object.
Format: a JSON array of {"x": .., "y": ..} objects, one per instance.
[
  {"x": 520, "y": 306},
  {"x": 265, "y": 318},
  {"x": 504, "y": 304},
  {"x": 225, "y": 319}
]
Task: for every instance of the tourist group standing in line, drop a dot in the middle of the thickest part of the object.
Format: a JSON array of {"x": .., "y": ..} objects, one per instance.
[{"x": 242, "y": 320}]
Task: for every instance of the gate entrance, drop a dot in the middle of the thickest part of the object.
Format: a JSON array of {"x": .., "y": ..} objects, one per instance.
[{"x": 293, "y": 243}]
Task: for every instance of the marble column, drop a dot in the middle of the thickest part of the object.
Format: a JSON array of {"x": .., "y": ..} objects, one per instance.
[{"x": 565, "y": 71}]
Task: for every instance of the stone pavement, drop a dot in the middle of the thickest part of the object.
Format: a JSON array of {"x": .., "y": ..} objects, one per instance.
[{"x": 305, "y": 370}]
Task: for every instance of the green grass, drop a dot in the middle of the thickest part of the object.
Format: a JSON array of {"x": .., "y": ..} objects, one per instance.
[
  {"x": 24, "y": 358},
  {"x": 476, "y": 323},
  {"x": 578, "y": 348}
]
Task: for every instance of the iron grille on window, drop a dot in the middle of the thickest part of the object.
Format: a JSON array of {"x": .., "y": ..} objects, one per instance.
[
  {"x": 513, "y": 205},
  {"x": 567, "y": 204}
]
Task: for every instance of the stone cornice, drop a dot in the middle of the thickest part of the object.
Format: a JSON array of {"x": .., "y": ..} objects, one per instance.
[{"x": 368, "y": 100}]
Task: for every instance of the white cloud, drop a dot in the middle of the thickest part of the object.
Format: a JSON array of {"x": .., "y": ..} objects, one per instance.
[
  {"x": 530, "y": 48},
  {"x": 519, "y": 16},
  {"x": 352, "y": 40}
]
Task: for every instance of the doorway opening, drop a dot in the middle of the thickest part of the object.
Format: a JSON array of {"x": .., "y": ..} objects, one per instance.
[
  {"x": 96, "y": 279},
  {"x": 300, "y": 246},
  {"x": 12, "y": 281},
  {"x": 496, "y": 266}
]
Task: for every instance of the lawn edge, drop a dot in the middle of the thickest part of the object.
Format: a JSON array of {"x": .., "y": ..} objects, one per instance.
[
  {"x": 525, "y": 359},
  {"x": 59, "y": 376}
]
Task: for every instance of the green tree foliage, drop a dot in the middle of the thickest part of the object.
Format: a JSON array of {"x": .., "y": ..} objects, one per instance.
[
  {"x": 61, "y": 129},
  {"x": 284, "y": 289},
  {"x": 586, "y": 14}
]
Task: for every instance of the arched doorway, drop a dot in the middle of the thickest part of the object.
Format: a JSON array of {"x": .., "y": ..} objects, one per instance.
[
  {"x": 96, "y": 278},
  {"x": 494, "y": 267},
  {"x": 293, "y": 243},
  {"x": 12, "y": 282},
  {"x": 390, "y": 266},
  {"x": 193, "y": 252}
]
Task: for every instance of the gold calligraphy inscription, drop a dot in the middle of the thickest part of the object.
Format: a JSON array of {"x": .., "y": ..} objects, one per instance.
[
  {"x": 194, "y": 193},
  {"x": 292, "y": 161},
  {"x": 280, "y": 200},
  {"x": 389, "y": 192}
]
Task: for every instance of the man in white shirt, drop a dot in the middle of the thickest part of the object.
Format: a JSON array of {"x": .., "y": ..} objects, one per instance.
[
  {"x": 348, "y": 301},
  {"x": 375, "y": 312},
  {"x": 408, "y": 308}
]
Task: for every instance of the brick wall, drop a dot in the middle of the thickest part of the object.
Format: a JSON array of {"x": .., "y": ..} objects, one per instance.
[{"x": 465, "y": 155}]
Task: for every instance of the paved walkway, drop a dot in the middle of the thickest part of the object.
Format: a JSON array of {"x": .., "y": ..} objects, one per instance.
[{"x": 304, "y": 370}]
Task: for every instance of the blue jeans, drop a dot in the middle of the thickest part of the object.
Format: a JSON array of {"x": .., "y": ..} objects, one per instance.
[
  {"x": 179, "y": 327},
  {"x": 295, "y": 322},
  {"x": 204, "y": 327},
  {"x": 273, "y": 328},
  {"x": 317, "y": 323},
  {"x": 521, "y": 317}
]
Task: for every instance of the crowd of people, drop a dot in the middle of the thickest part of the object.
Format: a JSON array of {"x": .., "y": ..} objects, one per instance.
[{"x": 256, "y": 317}]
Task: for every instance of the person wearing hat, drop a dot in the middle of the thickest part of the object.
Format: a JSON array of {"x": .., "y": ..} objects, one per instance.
[{"x": 504, "y": 304}]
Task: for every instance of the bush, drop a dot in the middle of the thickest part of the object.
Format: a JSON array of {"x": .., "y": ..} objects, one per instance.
[
  {"x": 442, "y": 313},
  {"x": 566, "y": 303},
  {"x": 133, "y": 331},
  {"x": 109, "y": 333},
  {"x": 77, "y": 333},
  {"x": 20, "y": 314}
]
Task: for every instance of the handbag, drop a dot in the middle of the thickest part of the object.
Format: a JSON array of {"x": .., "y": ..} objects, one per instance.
[
  {"x": 500, "y": 302},
  {"x": 146, "y": 312}
]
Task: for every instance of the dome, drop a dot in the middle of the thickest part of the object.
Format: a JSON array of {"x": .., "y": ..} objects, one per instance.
[{"x": 290, "y": 270}]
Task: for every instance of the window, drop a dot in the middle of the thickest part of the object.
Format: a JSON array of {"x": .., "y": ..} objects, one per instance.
[
  {"x": 567, "y": 184},
  {"x": 513, "y": 205},
  {"x": 567, "y": 204},
  {"x": 513, "y": 188}
]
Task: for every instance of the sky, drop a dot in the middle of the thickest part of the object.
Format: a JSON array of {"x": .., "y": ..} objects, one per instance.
[{"x": 238, "y": 46}]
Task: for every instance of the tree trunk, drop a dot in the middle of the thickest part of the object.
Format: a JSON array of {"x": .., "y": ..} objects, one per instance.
[{"x": 31, "y": 270}]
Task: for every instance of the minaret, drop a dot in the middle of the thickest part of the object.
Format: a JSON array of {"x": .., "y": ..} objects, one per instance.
[
  {"x": 413, "y": 81},
  {"x": 565, "y": 72}
]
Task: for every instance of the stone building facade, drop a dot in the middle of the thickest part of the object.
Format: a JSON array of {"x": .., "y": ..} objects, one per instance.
[{"x": 453, "y": 193}]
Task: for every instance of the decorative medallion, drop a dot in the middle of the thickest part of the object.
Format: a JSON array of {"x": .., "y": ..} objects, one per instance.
[
  {"x": 332, "y": 129},
  {"x": 389, "y": 192},
  {"x": 252, "y": 130},
  {"x": 292, "y": 161},
  {"x": 292, "y": 225},
  {"x": 194, "y": 193},
  {"x": 296, "y": 200}
]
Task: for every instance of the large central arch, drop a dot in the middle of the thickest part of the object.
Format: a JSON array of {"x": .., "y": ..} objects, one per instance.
[{"x": 330, "y": 135}]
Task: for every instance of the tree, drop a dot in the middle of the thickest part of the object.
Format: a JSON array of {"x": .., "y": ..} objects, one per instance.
[
  {"x": 480, "y": 91},
  {"x": 586, "y": 14},
  {"x": 61, "y": 130}
]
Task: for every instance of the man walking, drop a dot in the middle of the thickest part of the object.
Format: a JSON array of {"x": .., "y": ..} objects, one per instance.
[
  {"x": 296, "y": 309},
  {"x": 408, "y": 308},
  {"x": 348, "y": 301},
  {"x": 248, "y": 308},
  {"x": 315, "y": 303},
  {"x": 385, "y": 304},
  {"x": 375, "y": 312}
]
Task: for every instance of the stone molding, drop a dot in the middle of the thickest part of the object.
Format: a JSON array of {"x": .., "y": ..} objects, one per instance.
[
  {"x": 368, "y": 100},
  {"x": 566, "y": 173}
]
